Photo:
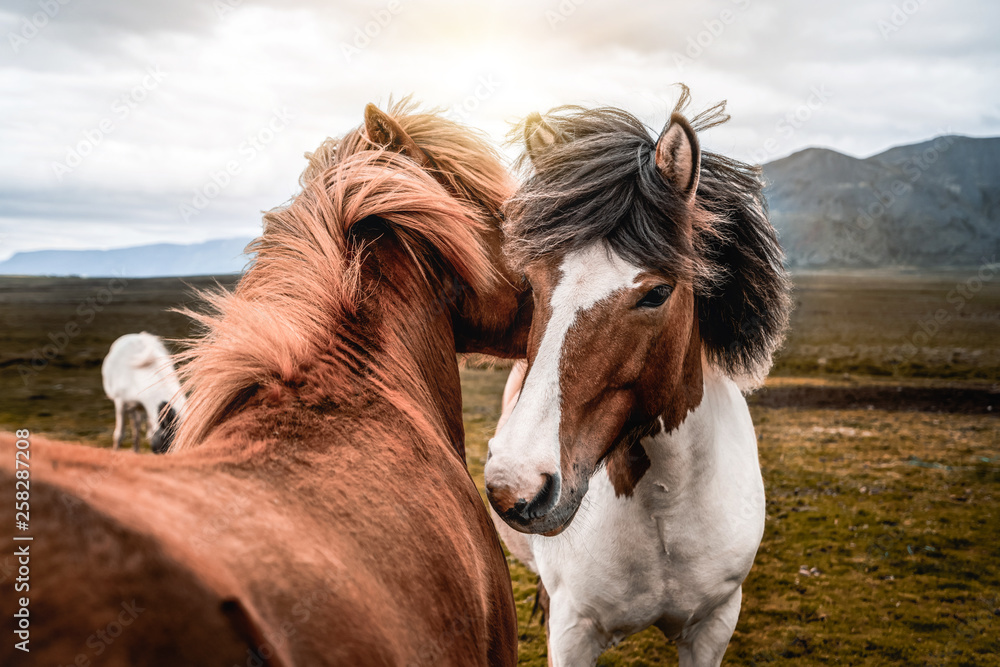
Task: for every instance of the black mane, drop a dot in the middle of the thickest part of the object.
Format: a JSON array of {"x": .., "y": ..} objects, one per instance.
[{"x": 599, "y": 182}]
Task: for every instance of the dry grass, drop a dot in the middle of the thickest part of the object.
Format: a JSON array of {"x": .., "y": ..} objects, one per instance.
[
  {"x": 886, "y": 324},
  {"x": 897, "y": 511}
]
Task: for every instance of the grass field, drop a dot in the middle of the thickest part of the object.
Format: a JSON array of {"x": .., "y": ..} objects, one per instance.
[
  {"x": 892, "y": 501},
  {"x": 897, "y": 511},
  {"x": 887, "y": 324}
]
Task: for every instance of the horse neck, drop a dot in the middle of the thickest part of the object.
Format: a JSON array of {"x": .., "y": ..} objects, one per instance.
[
  {"x": 391, "y": 366},
  {"x": 718, "y": 432},
  {"x": 496, "y": 322},
  {"x": 406, "y": 328}
]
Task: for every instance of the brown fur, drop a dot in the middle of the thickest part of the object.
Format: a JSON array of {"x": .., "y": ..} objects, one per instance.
[
  {"x": 318, "y": 510},
  {"x": 625, "y": 374},
  {"x": 304, "y": 289},
  {"x": 627, "y": 461}
]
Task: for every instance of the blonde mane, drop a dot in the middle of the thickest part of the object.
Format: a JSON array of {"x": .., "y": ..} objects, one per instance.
[{"x": 290, "y": 306}]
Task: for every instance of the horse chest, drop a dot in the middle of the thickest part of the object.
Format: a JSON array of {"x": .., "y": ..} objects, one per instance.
[
  {"x": 678, "y": 546},
  {"x": 628, "y": 562}
]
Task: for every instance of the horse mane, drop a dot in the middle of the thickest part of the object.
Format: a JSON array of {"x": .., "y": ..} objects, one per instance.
[
  {"x": 599, "y": 182},
  {"x": 305, "y": 283}
]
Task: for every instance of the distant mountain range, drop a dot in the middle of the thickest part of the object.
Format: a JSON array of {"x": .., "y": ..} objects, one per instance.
[
  {"x": 933, "y": 204},
  {"x": 162, "y": 259}
]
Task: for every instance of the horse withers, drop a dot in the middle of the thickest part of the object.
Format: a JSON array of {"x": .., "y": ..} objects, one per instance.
[
  {"x": 627, "y": 460},
  {"x": 315, "y": 508}
]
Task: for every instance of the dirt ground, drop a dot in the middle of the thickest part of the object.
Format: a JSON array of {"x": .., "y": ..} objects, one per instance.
[{"x": 896, "y": 398}]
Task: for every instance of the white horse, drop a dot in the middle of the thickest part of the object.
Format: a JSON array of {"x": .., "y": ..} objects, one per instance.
[
  {"x": 139, "y": 377},
  {"x": 626, "y": 458}
]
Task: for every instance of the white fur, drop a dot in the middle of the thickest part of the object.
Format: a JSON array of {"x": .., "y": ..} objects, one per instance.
[
  {"x": 674, "y": 554},
  {"x": 138, "y": 374},
  {"x": 529, "y": 444}
]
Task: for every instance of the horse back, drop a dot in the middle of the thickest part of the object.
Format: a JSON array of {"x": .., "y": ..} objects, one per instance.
[
  {"x": 100, "y": 591},
  {"x": 334, "y": 562}
]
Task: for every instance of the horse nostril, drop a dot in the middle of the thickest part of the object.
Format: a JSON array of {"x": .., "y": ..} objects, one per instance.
[
  {"x": 523, "y": 510},
  {"x": 545, "y": 496},
  {"x": 543, "y": 500}
]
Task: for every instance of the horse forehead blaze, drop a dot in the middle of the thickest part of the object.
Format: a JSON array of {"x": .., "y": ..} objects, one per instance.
[
  {"x": 587, "y": 317},
  {"x": 574, "y": 284},
  {"x": 618, "y": 375}
]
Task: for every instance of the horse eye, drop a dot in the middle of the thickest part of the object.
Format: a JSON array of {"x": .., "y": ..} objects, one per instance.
[{"x": 655, "y": 297}]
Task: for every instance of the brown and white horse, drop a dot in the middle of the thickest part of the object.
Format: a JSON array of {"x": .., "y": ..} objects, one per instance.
[
  {"x": 316, "y": 508},
  {"x": 629, "y": 459}
]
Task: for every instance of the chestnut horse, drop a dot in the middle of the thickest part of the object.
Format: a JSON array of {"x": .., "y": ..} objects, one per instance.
[
  {"x": 315, "y": 508},
  {"x": 659, "y": 293}
]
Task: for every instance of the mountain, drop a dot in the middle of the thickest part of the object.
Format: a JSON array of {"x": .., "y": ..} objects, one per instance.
[
  {"x": 162, "y": 259},
  {"x": 930, "y": 204}
]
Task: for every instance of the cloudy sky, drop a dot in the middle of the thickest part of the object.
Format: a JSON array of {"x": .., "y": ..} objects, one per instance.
[{"x": 133, "y": 121}]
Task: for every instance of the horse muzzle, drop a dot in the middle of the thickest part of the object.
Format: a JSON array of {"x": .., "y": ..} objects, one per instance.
[{"x": 548, "y": 511}]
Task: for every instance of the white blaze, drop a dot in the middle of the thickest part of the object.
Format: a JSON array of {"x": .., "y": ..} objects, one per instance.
[{"x": 527, "y": 445}]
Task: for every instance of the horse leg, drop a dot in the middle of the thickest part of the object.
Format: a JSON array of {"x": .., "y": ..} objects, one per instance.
[
  {"x": 573, "y": 640},
  {"x": 136, "y": 428},
  {"x": 152, "y": 423},
  {"x": 119, "y": 423},
  {"x": 704, "y": 643}
]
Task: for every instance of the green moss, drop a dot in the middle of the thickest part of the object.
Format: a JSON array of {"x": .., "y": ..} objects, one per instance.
[
  {"x": 901, "y": 523},
  {"x": 904, "y": 552}
]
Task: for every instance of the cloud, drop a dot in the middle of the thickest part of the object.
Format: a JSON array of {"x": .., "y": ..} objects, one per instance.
[{"x": 229, "y": 65}]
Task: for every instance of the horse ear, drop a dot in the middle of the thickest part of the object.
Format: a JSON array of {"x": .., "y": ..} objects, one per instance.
[
  {"x": 678, "y": 156},
  {"x": 539, "y": 135},
  {"x": 384, "y": 131}
]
